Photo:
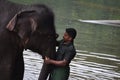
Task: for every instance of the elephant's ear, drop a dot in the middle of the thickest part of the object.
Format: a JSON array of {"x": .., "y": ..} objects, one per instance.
[
  {"x": 33, "y": 24},
  {"x": 12, "y": 23}
]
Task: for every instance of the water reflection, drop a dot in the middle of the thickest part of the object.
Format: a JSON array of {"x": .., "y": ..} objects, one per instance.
[{"x": 85, "y": 66}]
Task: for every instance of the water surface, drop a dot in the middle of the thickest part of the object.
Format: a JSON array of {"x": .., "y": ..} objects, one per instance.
[{"x": 85, "y": 66}]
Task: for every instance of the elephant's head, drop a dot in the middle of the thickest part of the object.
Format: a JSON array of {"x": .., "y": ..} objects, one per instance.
[{"x": 36, "y": 29}]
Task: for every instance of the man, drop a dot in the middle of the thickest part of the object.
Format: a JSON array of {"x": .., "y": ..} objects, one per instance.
[{"x": 65, "y": 53}]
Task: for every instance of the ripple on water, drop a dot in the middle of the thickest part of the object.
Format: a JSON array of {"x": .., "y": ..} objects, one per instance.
[{"x": 82, "y": 67}]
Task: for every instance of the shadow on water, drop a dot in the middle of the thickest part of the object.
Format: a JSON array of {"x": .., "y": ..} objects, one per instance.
[{"x": 85, "y": 66}]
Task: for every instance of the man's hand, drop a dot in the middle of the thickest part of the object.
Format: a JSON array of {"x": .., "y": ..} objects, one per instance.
[
  {"x": 55, "y": 62},
  {"x": 47, "y": 60}
]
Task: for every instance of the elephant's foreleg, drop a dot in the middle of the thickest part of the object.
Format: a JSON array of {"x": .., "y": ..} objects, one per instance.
[{"x": 19, "y": 68}]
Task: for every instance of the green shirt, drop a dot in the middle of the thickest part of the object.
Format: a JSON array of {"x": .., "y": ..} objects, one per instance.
[{"x": 67, "y": 52}]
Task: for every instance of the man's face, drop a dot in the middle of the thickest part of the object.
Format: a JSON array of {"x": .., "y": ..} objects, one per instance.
[{"x": 66, "y": 37}]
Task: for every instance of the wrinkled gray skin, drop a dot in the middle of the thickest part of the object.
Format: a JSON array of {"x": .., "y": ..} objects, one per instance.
[{"x": 24, "y": 27}]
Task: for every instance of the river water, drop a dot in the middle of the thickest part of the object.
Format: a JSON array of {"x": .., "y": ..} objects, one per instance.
[
  {"x": 86, "y": 66},
  {"x": 98, "y": 46}
]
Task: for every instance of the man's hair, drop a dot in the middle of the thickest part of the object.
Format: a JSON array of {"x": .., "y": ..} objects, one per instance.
[{"x": 71, "y": 32}]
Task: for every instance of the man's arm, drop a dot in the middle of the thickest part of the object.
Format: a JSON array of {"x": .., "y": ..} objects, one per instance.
[{"x": 55, "y": 62}]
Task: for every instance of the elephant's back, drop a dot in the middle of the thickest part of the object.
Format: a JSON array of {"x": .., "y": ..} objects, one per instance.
[{"x": 7, "y": 11}]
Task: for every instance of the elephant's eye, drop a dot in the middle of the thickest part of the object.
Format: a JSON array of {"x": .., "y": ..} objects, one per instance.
[{"x": 49, "y": 37}]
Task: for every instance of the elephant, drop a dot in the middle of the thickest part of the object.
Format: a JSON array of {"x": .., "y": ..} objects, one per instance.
[{"x": 25, "y": 27}]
